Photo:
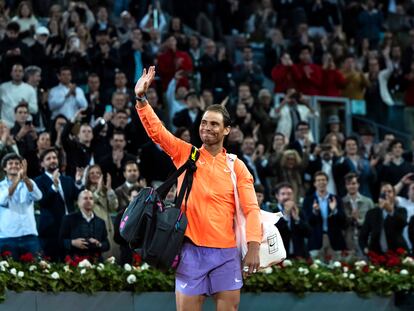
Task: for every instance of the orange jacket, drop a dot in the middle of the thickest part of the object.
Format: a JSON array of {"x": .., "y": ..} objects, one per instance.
[{"x": 211, "y": 206}]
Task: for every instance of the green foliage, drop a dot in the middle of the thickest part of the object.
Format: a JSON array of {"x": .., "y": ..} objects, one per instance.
[{"x": 292, "y": 276}]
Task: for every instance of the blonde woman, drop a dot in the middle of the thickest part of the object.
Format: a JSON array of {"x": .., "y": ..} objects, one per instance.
[
  {"x": 105, "y": 202},
  {"x": 291, "y": 170}
]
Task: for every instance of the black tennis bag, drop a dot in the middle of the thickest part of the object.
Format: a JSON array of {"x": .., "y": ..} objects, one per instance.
[{"x": 153, "y": 230}]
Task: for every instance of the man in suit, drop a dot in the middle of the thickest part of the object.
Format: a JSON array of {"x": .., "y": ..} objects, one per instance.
[
  {"x": 132, "y": 179},
  {"x": 383, "y": 226},
  {"x": 59, "y": 193},
  {"x": 292, "y": 227},
  {"x": 323, "y": 159},
  {"x": 355, "y": 208},
  {"x": 252, "y": 156},
  {"x": 303, "y": 143},
  {"x": 326, "y": 217},
  {"x": 112, "y": 163},
  {"x": 83, "y": 233}
]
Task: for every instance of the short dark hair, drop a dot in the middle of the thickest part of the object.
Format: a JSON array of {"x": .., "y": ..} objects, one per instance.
[
  {"x": 348, "y": 177},
  {"x": 64, "y": 68},
  {"x": 130, "y": 162},
  {"x": 320, "y": 173},
  {"x": 221, "y": 109},
  {"x": 305, "y": 47},
  {"x": 259, "y": 188},
  {"x": 8, "y": 157},
  {"x": 282, "y": 185},
  {"x": 13, "y": 26},
  {"x": 386, "y": 183},
  {"x": 353, "y": 138},
  {"x": 46, "y": 152},
  {"x": 118, "y": 132},
  {"x": 20, "y": 105},
  {"x": 395, "y": 142},
  {"x": 93, "y": 75},
  {"x": 302, "y": 123}
]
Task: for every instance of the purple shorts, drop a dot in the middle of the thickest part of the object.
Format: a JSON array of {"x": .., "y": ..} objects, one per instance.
[{"x": 207, "y": 270}]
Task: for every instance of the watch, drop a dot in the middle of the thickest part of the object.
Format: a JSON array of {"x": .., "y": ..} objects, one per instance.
[{"x": 141, "y": 98}]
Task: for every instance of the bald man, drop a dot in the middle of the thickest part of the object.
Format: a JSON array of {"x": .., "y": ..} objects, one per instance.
[{"x": 83, "y": 233}]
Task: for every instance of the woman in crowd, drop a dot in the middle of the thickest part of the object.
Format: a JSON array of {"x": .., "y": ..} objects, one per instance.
[{"x": 105, "y": 201}]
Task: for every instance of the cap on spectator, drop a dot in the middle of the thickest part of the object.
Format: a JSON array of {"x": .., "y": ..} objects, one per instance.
[
  {"x": 333, "y": 119},
  {"x": 125, "y": 14},
  {"x": 42, "y": 30}
]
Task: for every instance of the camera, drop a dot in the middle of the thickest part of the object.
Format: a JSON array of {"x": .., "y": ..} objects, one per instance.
[
  {"x": 90, "y": 244},
  {"x": 296, "y": 96},
  {"x": 383, "y": 196},
  {"x": 28, "y": 122}
]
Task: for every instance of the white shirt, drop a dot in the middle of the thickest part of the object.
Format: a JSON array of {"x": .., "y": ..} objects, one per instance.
[
  {"x": 327, "y": 168},
  {"x": 86, "y": 217},
  {"x": 68, "y": 106},
  {"x": 17, "y": 212},
  {"x": 174, "y": 105},
  {"x": 11, "y": 95},
  {"x": 409, "y": 206}
]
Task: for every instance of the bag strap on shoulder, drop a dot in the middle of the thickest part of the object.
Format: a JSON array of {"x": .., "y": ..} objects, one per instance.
[{"x": 163, "y": 189}]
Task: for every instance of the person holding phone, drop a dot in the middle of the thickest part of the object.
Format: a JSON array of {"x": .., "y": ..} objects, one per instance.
[
  {"x": 23, "y": 131},
  {"x": 383, "y": 226}
]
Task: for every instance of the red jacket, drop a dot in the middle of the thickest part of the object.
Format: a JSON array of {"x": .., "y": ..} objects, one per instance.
[
  {"x": 283, "y": 77},
  {"x": 311, "y": 85},
  {"x": 167, "y": 66},
  {"x": 332, "y": 82}
]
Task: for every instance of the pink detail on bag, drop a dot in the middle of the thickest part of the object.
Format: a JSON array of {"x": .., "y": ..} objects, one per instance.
[{"x": 122, "y": 225}]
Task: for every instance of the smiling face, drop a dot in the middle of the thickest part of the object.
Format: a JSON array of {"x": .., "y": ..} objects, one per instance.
[
  {"x": 12, "y": 167},
  {"x": 285, "y": 194},
  {"x": 94, "y": 175},
  {"x": 50, "y": 162},
  {"x": 212, "y": 130}
]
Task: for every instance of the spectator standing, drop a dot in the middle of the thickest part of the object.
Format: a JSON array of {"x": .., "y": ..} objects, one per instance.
[
  {"x": 356, "y": 206},
  {"x": 325, "y": 215},
  {"x": 383, "y": 226},
  {"x": 83, "y": 233},
  {"x": 406, "y": 202},
  {"x": 13, "y": 93},
  {"x": 59, "y": 193},
  {"x": 105, "y": 202},
  {"x": 292, "y": 227},
  {"x": 18, "y": 233},
  {"x": 66, "y": 98}
]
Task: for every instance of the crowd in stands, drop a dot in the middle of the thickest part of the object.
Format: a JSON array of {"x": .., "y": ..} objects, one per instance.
[{"x": 73, "y": 148}]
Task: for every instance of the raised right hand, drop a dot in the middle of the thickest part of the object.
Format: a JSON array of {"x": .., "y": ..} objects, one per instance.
[{"x": 144, "y": 81}]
